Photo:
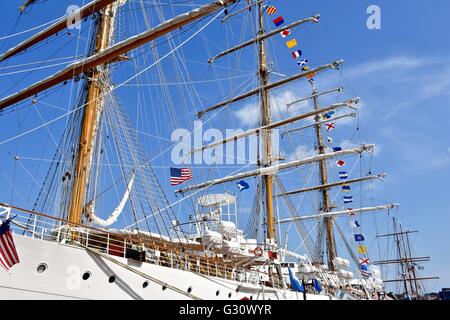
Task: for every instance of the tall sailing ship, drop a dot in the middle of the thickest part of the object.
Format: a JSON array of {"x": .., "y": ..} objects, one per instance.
[{"x": 103, "y": 226}]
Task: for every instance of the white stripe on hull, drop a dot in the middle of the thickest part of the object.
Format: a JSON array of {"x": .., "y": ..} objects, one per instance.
[{"x": 66, "y": 265}]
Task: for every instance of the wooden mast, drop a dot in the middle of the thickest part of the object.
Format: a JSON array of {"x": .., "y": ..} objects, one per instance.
[
  {"x": 265, "y": 120},
  {"x": 88, "y": 131},
  {"x": 325, "y": 192}
]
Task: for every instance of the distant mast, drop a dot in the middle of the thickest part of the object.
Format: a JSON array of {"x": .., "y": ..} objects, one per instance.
[{"x": 406, "y": 262}]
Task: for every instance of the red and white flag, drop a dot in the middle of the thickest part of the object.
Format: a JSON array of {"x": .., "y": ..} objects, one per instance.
[
  {"x": 8, "y": 253},
  {"x": 340, "y": 163},
  {"x": 285, "y": 33}
]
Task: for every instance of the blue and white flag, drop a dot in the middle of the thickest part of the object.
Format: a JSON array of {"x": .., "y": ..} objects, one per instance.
[
  {"x": 296, "y": 284},
  {"x": 300, "y": 63},
  {"x": 343, "y": 175},
  {"x": 242, "y": 185},
  {"x": 346, "y": 188},
  {"x": 348, "y": 199},
  {"x": 359, "y": 237},
  {"x": 354, "y": 224}
]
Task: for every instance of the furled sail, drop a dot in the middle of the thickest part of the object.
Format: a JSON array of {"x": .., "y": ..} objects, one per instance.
[{"x": 116, "y": 213}]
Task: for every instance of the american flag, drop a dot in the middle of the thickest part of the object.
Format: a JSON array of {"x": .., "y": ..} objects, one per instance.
[
  {"x": 8, "y": 253},
  {"x": 179, "y": 175},
  {"x": 365, "y": 274}
]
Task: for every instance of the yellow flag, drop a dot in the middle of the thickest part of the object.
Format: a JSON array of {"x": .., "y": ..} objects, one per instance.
[
  {"x": 362, "y": 249},
  {"x": 291, "y": 43}
]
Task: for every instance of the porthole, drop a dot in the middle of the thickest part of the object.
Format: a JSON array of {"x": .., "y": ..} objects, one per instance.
[
  {"x": 41, "y": 267},
  {"x": 189, "y": 290},
  {"x": 145, "y": 284},
  {"x": 229, "y": 295},
  {"x": 164, "y": 288},
  {"x": 86, "y": 275},
  {"x": 217, "y": 293},
  {"x": 112, "y": 279}
]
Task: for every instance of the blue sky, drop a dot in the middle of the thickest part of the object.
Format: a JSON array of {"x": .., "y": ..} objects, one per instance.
[{"x": 401, "y": 72}]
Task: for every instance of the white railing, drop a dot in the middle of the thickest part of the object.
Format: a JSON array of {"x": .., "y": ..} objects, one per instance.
[{"x": 117, "y": 245}]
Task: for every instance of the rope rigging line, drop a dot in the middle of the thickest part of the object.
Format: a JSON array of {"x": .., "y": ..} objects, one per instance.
[{"x": 111, "y": 89}]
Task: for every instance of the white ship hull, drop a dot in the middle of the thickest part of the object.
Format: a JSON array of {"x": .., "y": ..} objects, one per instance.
[{"x": 66, "y": 265}]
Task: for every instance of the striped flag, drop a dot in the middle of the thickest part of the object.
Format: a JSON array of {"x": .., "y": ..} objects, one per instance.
[
  {"x": 178, "y": 176},
  {"x": 311, "y": 75},
  {"x": 296, "y": 54},
  {"x": 345, "y": 188},
  {"x": 271, "y": 10},
  {"x": 343, "y": 175},
  {"x": 291, "y": 43},
  {"x": 348, "y": 199},
  {"x": 285, "y": 33},
  {"x": 278, "y": 21},
  {"x": 8, "y": 252},
  {"x": 364, "y": 268}
]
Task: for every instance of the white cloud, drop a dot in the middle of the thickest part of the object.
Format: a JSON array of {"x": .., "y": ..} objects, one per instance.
[
  {"x": 301, "y": 152},
  {"x": 441, "y": 159},
  {"x": 386, "y": 67},
  {"x": 401, "y": 82},
  {"x": 249, "y": 114}
]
